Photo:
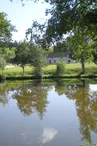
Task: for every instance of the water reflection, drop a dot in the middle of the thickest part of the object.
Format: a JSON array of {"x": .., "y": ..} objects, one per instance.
[
  {"x": 47, "y": 135},
  {"x": 3, "y": 95},
  {"x": 86, "y": 106},
  {"x": 5, "y": 91},
  {"x": 32, "y": 97},
  {"x": 93, "y": 91},
  {"x": 60, "y": 87}
]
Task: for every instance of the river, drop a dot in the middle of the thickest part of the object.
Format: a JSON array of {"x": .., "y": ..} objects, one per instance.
[{"x": 48, "y": 113}]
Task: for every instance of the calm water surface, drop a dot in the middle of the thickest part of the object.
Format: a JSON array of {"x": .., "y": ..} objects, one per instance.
[{"x": 59, "y": 113}]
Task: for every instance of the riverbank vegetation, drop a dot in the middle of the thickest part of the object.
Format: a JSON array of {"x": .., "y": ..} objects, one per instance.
[
  {"x": 80, "y": 44},
  {"x": 50, "y": 70}
]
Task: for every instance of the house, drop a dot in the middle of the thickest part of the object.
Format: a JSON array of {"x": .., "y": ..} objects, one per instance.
[{"x": 52, "y": 58}]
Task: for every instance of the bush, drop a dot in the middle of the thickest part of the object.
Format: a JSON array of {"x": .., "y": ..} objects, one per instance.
[
  {"x": 38, "y": 72},
  {"x": 38, "y": 60},
  {"x": 2, "y": 78},
  {"x": 60, "y": 67}
]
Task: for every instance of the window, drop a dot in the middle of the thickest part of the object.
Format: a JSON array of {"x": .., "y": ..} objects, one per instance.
[
  {"x": 69, "y": 61},
  {"x": 49, "y": 61}
]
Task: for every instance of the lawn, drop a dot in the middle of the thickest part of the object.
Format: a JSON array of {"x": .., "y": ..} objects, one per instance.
[
  {"x": 75, "y": 68},
  {"x": 17, "y": 71},
  {"x": 70, "y": 70}
]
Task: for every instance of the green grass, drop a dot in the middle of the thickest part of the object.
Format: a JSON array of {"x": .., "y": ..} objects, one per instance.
[
  {"x": 70, "y": 70},
  {"x": 17, "y": 71},
  {"x": 90, "y": 68}
]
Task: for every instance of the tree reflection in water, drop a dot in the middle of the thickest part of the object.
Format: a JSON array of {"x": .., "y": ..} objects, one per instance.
[
  {"x": 86, "y": 106},
  {"x": 3, "y": 95},
  {"x": 33, "y": 98},
  {"x": 6, "y": 89},
  {"x": 60, "y": 87}
]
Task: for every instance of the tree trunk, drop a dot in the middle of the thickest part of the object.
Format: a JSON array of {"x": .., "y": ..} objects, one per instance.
[
  {"x": 23, "y": 70},
  {"x": 2, "y": 71},
  {"x": 83, "y": 67},
  {"x": 83, "y": 63}
]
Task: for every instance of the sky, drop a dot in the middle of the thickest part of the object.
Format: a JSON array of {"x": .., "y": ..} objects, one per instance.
[{"x": 22, "y": 16}]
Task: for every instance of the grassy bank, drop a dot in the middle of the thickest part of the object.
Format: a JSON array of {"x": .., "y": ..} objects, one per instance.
[{"x": 71, "y": 70}]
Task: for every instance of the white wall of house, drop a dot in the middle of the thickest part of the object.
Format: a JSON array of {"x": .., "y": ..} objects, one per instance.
[{"x": 54, "y": 60}]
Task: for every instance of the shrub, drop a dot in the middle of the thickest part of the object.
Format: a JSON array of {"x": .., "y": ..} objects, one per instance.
[
  {"x": 2, "y": 78},
  {"x": 60, "y": 67},
  {"x": 38, "y": 72},
  {"x": 38, "y": 60}
]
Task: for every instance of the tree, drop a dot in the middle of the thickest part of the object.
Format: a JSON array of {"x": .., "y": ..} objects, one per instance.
[
  {"x": 69, "y": 14},
  {"x": 60, "y": 67},
  {"x": 37, "y": 37},
  {"x": 12, "y": 44},
  {"x": 22, "y": 54},
  {"x": 2, "y": 63},
  {"x": 38, "y": 60},
  {"x": 37, "y": 55},
  {"x": 79, "y": 42},
  {"x": 7, "y": 53},
  {"x": 60, "y": 47},
  {"x": 6, "y": 29},
  {"x": 22, "y": 1},
  {"x": 66, "y": 14},
  {"x": 94, "y": 57},
  {"x": 94, "y": 51},
  {"x": 35, "y": 31}
]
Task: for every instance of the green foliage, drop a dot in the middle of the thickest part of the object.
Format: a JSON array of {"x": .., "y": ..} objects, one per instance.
[
  {"x": 22, "y": 54},
  {"x": 49, "y": 70},
  {"x": 38, "y": 71},
  {"x": 38, "y": 60},
  {"x": 5, "y": 29},
  {"x": 38, "y": 57},
  {"x": 12, "y": 44},
  {"x": 60, "y": 47},
  {"x": 17, "y": 71},
  {"x": 2, "y": 63},
  {"x": 50, "y": 50},
  {"x": 36, "y": 33},
  {"x": 60, "y": 69},
  {"x": 7, "y": 53},
  {"x": 94, "y": 57},
  {"x": 79, "y": 42},
  {"x": 69, "y": 14},
  {"x": 94, "y": 51}
]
